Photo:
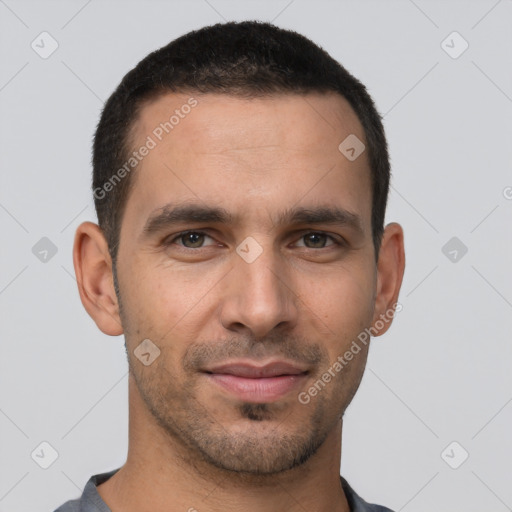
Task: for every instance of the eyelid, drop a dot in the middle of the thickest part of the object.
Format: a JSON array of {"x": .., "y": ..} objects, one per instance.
[
  {"x": 300, "y": 234},
  {"x": 337, "y": 240},
  {"x": 172, "y": 238}
]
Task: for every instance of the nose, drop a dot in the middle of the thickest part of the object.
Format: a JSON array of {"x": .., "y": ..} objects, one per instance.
[{"x": 258, "y": 297}]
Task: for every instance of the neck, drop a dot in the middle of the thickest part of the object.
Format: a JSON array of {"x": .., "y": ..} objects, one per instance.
[{"x": 161, "y": 472}]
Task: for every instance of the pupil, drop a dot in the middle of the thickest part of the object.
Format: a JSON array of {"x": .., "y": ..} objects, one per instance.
[
  {"x": 315, "y": 239},
  {"x": 193, "y": 239}
]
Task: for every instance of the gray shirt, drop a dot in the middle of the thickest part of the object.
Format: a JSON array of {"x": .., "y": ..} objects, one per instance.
[{"x": 91, "y": 501}]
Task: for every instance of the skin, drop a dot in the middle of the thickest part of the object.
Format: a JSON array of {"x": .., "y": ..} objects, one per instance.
[{"x": 192, "y": 445}]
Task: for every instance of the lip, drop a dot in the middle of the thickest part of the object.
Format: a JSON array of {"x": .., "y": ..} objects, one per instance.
[
  {"x": 257, "y": 383},
  {"x": 250, "y": 370}
]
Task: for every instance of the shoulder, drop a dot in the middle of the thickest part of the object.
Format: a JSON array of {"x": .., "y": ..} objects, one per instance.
[
  {"x": 90, "y": 501},
  {"x": 69, "y": 506},
  {"x": 357, "y": 504}
]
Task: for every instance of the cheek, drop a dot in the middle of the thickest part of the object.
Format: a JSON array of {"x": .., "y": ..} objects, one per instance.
[
  {"x": 343, "y": 300},
  {"x": 355, "y": 297},
  {"x": 160, "y": 300}
]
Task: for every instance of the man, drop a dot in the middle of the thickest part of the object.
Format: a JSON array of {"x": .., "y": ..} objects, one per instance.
[{"x": 240, "y": 181}]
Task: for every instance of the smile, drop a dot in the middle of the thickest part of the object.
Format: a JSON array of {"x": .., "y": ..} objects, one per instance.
[{"x": 258, "y": 384}]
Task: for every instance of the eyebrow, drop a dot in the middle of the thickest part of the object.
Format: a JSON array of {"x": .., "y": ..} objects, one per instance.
[{"x": 170, "y": 214}]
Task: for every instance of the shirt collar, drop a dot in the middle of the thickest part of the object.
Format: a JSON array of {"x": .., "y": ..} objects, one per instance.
[{"x": 91, "y": 496}]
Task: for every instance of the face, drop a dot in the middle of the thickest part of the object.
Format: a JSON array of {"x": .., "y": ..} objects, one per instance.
[{"x": 246, "y": 257}]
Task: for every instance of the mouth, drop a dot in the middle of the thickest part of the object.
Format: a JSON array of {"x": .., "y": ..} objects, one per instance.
[{"x": 257, "y": 383}]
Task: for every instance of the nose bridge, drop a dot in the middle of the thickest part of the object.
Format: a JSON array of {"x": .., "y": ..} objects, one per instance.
[
  {"x": 261, "y": 277},
  {"x": 259, "y": 298}
]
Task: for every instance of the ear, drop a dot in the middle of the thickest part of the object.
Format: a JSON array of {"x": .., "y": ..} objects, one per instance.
[
  {"x": 390, "y": 271},
  {"x": 93, "y": 269}
]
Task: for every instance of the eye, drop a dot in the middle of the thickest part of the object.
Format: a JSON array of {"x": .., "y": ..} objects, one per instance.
[
  {"x": 317, "y": 240},
  {"x": 191, "y": 239}
]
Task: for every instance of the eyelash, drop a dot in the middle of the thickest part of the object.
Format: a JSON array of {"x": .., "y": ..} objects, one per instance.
[{"x": 172, "y": 240}]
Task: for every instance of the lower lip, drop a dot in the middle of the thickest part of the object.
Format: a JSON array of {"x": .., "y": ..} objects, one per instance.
[{"x": 261, "y": 390}]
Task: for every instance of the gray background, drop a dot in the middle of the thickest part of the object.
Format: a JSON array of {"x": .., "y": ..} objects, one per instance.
[{"x": 443, "y": 371}]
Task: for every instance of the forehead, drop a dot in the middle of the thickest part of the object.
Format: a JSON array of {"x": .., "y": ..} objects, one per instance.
[
  {"x": 256, "y": 154},
  {"x": 219, "y": 122}
]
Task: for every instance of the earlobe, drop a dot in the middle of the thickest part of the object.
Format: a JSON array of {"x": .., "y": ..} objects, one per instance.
[
  {"x": 390, "y": 271},
  {"x": 93, "y": 269}
]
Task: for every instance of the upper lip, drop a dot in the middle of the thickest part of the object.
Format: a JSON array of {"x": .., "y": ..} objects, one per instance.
[{"x": 251, "y": 370}]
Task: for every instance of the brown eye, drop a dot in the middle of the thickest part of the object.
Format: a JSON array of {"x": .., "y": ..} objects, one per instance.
[
  {"x": 315, "y": 240},
  {"x": 192, "y": 239}
]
